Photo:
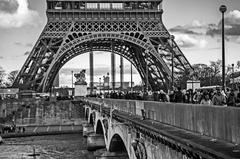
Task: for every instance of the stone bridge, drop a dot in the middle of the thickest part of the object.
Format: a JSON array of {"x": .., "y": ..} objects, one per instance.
[{"x": 154, "y": 130}]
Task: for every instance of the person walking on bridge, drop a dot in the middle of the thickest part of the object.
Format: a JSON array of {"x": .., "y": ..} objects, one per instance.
[
  {"x": 206, "y": 100},
  {"x": 231, "y": 99},
  {"x": 219, "y": 98},
  {"x": 178, "y": 96}
]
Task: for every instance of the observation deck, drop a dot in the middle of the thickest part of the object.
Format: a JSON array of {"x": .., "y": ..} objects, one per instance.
[{"x": 104, "y": 9}]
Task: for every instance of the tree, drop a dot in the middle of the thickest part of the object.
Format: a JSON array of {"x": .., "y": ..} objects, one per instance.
[
  {"x": 2, "y": 76},
  {"x": 208, "y": 74},
  {"x": 11, "y": 77},
  {"x": 238, "y": 64}
]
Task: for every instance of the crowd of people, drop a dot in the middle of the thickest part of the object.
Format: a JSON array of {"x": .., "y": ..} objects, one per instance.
[
  {"x": 11, "y": 129},
  {"x": 207, "y": 97}
]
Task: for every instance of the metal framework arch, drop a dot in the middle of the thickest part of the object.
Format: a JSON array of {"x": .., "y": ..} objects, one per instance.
[
  {"x": 125, "y": 37},
  {"x": 85, "y": 44},
  {"x": 69, "y": 55}
]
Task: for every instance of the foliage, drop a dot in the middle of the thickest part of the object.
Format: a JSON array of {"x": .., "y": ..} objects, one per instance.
[
  {"x": 6, "y": 80},
  {"x": 11, "y": 77},
  {"x": 207, "y": 74},
  {"x": 2, "y": 76}
]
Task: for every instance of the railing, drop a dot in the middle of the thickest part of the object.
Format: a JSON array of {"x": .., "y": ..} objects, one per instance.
[{"x": 214, "y": 121}]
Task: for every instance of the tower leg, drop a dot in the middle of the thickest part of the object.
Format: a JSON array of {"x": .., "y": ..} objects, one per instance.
[
  {"x": 113, "y": 70},
  {"x": 121, "y": 72},
  {"x": 91, "y": 72}
]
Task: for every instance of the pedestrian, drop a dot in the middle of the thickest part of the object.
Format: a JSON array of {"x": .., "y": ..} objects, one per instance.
[
  {"x": 238, "y": 99},
  {"x": 197, "y": 97},
  {"x": 219, "y": 98},
  {"x": 178, "y": 97},
  {"x": 171, "y": 96},
  {"x": 232, "y": 99},
  {"x": 206, "y": 100},
  {"x": 162, "y": 96}
]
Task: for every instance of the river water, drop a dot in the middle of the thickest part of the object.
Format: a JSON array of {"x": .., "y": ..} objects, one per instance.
[{"x": 71, "y": 146}]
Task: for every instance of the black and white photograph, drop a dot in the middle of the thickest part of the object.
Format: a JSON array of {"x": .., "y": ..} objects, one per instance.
[{"x": 119, "y": 79}]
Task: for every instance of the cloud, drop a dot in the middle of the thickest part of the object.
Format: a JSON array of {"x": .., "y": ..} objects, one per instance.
[
  {"x": 233, "y": 18},
  {"x": 1, "y": 57},
  {"x": 182, "y": 29},
  {"x": 8, "y": 6},
  {"x": 29, "y": 44},
  {"x": 187, "y": 41},
  {"x": 26, "y": 53},
  {"x": 232, "y": 25},
  {"x": 238, "y": 40},
  {"x": 15, "y": 14},
  {"x": 196, "y": 27},
  {"x": 23, "y": 44},
  {"x": 197, "y": 24}
]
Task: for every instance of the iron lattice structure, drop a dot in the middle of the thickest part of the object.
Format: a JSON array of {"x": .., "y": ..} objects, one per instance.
[{"x": 130, "y": 28}]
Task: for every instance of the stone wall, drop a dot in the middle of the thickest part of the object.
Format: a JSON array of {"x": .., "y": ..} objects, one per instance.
[{"x": 214, "y": 121}]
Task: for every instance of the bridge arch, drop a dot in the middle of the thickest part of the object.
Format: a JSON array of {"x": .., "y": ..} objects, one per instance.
[
  {"x": 99, "y": 128},
  {"x": 135, "y": 49},
  {"x": 86, "y": 113},
  {"x": 117, "y": 145},
  {"x": 91, "y": 119}
]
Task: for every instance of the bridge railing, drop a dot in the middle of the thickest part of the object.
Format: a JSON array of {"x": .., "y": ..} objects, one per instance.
[{"x": 214, "y": 121}]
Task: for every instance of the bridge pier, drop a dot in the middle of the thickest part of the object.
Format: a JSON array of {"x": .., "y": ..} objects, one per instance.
[
  {"x": 111, "y": 155},
  {"x": 87, "y": 129},
  {"x": 95, "y": 142}
]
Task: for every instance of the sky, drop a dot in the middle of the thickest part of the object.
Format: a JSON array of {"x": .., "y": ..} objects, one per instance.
[{"x": 194, "y": 23}]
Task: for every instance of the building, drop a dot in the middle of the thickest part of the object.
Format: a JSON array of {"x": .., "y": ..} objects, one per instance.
[
  {"x": 117, "y": 85},
  {"x": 9, "y": 93}
]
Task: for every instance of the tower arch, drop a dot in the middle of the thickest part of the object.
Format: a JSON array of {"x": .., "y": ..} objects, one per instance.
[{"x": 132, "y": 51}]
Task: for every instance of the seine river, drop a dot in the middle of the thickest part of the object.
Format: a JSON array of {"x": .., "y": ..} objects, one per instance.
[{"x": 71, "y": 146}]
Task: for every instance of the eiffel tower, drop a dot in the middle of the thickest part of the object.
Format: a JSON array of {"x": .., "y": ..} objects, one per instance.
[{"x": 131, "y": 28}]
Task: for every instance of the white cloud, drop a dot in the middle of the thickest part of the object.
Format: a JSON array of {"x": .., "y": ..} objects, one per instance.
[
  {"x": 233, "y": 18},
  {"x": 22, "y": 17},
  {"x": 197, "y": 24},
  {"x": 235, "y": 14},
  {"x": 195, "y": 27},
  {"x": 238, "y": 40},
  {"x": 185, "y": 40}
]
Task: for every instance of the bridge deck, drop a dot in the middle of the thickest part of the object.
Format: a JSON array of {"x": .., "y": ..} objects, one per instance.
[
  {"x": 197, "y": 142},
  {"x": 206, "y": 146}
]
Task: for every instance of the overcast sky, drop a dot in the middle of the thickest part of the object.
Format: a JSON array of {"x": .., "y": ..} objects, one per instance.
[{"x": 195, "y": 24}]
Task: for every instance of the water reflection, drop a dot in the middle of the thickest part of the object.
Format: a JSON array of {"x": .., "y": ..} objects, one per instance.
[{"x": 49, "y": 147}]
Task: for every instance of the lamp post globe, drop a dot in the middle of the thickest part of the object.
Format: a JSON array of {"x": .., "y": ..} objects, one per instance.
[{"x": 223, "y": 8}]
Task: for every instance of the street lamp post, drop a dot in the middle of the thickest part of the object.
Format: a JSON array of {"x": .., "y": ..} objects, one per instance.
[
  {"x": 72, "y": 79},
  {"x": 131, "y": 80},
  {"x": 223, "y": 9},
  {"x": 100, "y": 86},
  {"x": 232, "y": 76},
  {"x": 108, "y": 81}
]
